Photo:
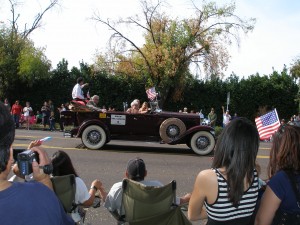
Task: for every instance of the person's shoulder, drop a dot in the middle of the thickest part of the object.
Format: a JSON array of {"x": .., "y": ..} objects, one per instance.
[
  {"x": 155, "y": 183},
  {"x": 117, "y": 185}
]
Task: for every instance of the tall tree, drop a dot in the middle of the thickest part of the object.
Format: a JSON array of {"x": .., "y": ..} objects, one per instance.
[
  {"x": 172, "y": 45},
  {"x": 295, "y": 73},
  {"x": 21, "y": 63}
]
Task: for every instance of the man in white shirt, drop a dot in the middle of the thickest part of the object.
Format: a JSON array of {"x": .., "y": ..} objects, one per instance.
[
  {"x": 136, "y": 170},
  {"x": 77, "y": 93}
]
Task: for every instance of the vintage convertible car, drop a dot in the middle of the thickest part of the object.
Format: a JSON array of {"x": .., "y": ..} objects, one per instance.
[{"x": 96, "y": 128}]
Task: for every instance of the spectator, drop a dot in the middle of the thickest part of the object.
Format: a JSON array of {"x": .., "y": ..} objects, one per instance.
[
  {"x": 283, "y": 170},
  {"x": 62, "y": 165},
  {"x": 212, "y": 117},
  {"x": 26, "y": 203},
  {"x": 134, "y": 107},
  {"x": 93, "y": 104},
  {"x": 39, "y": 117},
  {"x": 229, "y": 190},
  {"x": 77, "y": 93},
  {"x": 61, "y": 109},
  {"x": 46, "y": 114},
  {"x": 185, "y": 110},
  {"x": 144, "y": 108},
  {"x": 51, "y": 106},
  {"x": 226, "y": 117},
  {"x": 6, "y": 103},
  {"x": 16, "y": 111},
  {"x": 52, "y": 121},
  {"x": 235, "y": 116},
  {"x": 136, "y": 170},
  {"x": 282, "y": 122},
  {"x": 27, "y": 114}
]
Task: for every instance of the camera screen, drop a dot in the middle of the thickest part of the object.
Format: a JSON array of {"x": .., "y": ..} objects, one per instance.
[{"x": 16, "y": 152}]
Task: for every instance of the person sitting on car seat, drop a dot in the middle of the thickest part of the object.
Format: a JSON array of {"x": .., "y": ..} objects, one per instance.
[
  {"x": 93, "y": 104},
  {"x": 144, "y": 108},
  {"x": 134, "y": 107}
]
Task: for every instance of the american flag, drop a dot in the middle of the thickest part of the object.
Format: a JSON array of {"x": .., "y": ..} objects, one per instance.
[
  {"x": 151, "y": 93},
  {"x": 267, "y": 124}
]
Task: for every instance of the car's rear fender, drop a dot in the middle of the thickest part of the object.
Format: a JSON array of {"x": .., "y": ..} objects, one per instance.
[
  {"x": 87, "y": 123},
  {"x": 189, "y": 133}
]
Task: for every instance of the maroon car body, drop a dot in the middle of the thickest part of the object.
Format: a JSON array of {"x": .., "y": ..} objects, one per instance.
[{"x": 96, "y": 128}]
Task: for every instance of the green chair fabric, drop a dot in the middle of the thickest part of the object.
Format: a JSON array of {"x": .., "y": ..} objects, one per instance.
[
  {"x": 65, "y": 188},
  {"x": 151, "y": 205}
]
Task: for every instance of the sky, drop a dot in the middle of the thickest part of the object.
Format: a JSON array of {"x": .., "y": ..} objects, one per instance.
[{"x": 69, "y": 32}]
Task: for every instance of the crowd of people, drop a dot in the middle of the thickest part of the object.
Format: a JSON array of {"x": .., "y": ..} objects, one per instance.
[
  {"x": 46, "y": 115},
  {"x": 226, "y": 194}
]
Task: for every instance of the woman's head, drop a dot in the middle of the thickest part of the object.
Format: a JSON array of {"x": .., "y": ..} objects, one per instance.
[
  {"x": 237, "y": 145},
  {"x": 236, "y": 151},
  {"x": 285, "y": 150},
  {"x": 62, "y": 164}
]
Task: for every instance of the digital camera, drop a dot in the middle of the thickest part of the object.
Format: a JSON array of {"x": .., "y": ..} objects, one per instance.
[{"x": 24, "y": 160}]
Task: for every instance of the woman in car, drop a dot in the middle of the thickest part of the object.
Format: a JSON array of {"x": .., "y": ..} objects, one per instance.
[{"x": 144, "y": 108}]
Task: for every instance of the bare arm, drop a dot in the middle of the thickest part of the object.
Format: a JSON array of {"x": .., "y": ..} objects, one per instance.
[
  {"x": 196, "y": 209},
  {"x": 92, "y": 191},
  {"x": 268, "y": 207}
]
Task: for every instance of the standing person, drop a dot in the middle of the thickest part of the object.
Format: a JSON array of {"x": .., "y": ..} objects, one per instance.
[
  {"x": 7, "y": 105},
  {"x": 27, "y": 114},
  {"x": 61, "y": 109},
  {"x": 229, "y": 190},
  {"x": 52, "y": 121},
  {"x": 62, "y": 165},
  {"x": 226, "y": 117},
  {"x": 77, "y": 93},
  {"x": 16, "y": 111},
  {"x": 26, "y": 203},
  {"x": 46, "y": 114},
  {"x": 280, "y": 196},
  {"x": 212, "y": 117},
  {"x": 51, "y": 106}
]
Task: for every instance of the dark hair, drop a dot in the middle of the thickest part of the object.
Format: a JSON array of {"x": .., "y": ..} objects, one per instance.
[
  {"x": 62, "y": 164},
  {"x": 79, "y": 79},
  {"x": 7, "y": 135},
  {"x": 285, "y": 150},
  {"x": 136, "y": 169},
  {"x": 236, "y": 150}
]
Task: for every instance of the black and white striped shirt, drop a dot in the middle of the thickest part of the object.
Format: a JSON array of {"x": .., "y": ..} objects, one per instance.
[{"x": 222, "y": 211}]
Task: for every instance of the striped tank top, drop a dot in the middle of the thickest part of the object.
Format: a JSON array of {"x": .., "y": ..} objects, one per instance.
[{"x": 223, "y": 212}]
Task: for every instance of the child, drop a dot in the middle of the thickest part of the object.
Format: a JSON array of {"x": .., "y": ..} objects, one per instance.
[{"x": 52, "y": 121}]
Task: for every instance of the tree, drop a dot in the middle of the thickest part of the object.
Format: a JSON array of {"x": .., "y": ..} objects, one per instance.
[
  {"x": 173, "y": 45},
  {"x": 21, "y": 63},
  {"x": 295, "y": 73}
]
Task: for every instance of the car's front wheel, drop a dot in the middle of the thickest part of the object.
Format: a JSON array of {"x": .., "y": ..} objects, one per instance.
[
  {"x": 202, "y": 142},
  {"x": 93, "y": 137}
]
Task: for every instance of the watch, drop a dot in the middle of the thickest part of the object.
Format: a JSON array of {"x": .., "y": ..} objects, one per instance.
[{"x": 94, "y": 187}]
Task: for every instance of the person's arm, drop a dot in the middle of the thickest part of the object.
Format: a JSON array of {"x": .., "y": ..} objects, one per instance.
[
  {"x": 223, "y": 110},
  {"x": 95, "y": 186},
  {"x": 196, "y": 209},
  {"x": 185, "y": 199},
  {"x": 38, "y": 173},
  {"x": 268, "y": 207}
]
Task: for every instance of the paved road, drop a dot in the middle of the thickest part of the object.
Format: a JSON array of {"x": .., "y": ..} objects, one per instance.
[{"x": 164, "y": 163}]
